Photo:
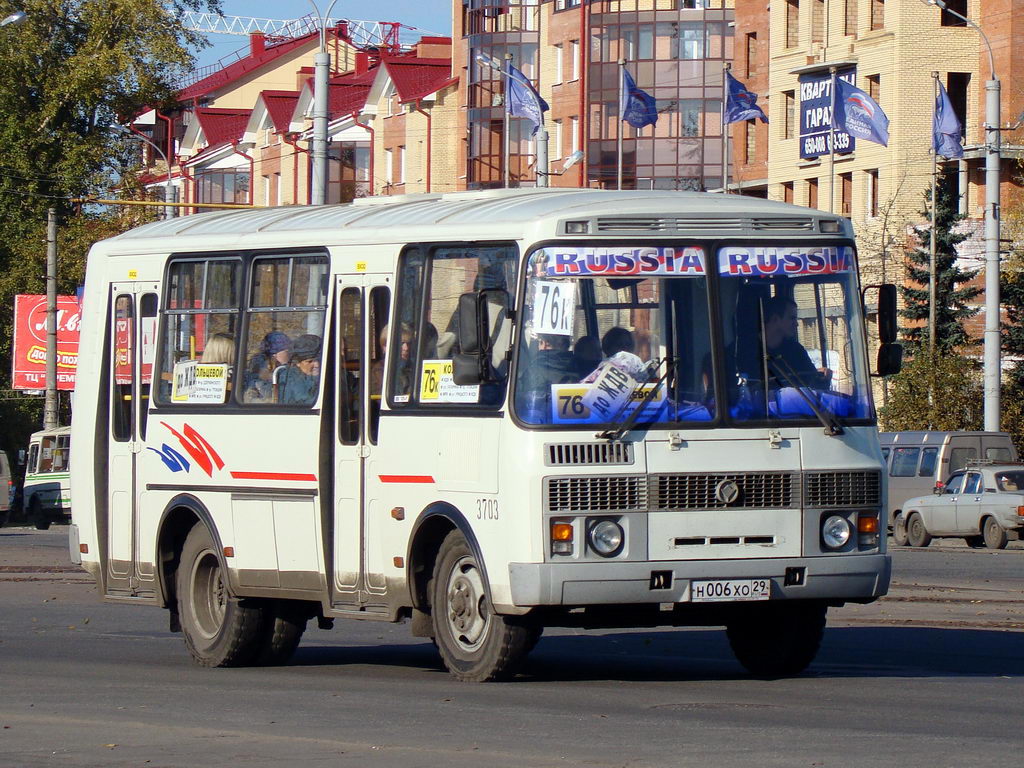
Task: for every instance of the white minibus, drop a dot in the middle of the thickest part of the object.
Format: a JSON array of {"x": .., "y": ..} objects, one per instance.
[
  {"x": 486, "y": 413},
  {"x": 46, "y": 492}
]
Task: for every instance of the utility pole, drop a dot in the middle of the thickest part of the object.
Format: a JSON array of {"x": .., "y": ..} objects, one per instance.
[{"x": 50, "y": 407}]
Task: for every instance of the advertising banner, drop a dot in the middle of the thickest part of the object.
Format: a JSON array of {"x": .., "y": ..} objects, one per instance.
[
  {"x": 29, "y": 357},
  {"x": 816, "y": 114}
]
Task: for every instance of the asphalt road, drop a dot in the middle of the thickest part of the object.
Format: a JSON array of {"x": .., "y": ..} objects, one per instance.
[{"x": 931, "y": 676}]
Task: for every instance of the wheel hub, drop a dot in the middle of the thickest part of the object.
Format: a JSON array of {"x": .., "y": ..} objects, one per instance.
[{"x": 467, "y": 614}]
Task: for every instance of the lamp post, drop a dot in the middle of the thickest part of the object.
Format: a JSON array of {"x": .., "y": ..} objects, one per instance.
[
  {"x": 320, "y": 74},
  {"x": 542, "y": 134},
  {"x": 992, "y": 157},
  {"x": 167, "y": 182}
]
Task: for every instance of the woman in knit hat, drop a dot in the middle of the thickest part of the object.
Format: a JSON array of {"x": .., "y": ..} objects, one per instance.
[{"x": 275, "y": 351}]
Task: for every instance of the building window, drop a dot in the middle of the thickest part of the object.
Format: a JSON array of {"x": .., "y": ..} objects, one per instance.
[
  {"x": 751, "y": 146},
  {"x": 787, "y": 192},
  {"x": 218, "y": 186},
  {"x": 846, "y": 193},
  {"x": 850, "y": 25},
  {"x": 817, "y": 21},
  {"x": 789, "y": 116},
  {"x": 574, "y": 51},
  {"x": 689, "y": 117},
  {"x": 812, "y": 193},
  {"x": 877, "y": 14},
  {"x": 556, "y": 149},
  {"x": 558, "y": 65},
  {"x": 957, "y": 85},
  {"x": 872, "y": 179},
  {"x": 959, "y": 7},
  {"x": 751, "y": 53},
  {"x": 875, "y": 87},
  {"x": 574, "y": 128},
  {"x": 691, "y": 41},
  {"x": 389, "y": 166},
  {"x": 348, "y": 171},
  {"x": 401, "y": 165},
  {"x": 792, "y": 23}
]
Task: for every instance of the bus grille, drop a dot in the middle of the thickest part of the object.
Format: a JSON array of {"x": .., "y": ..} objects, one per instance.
[
  {"x": 560, "y": 454},
  {"x": 843, "y": 489},
  {"x": 620, "y": 493},
  {"x": 760, "y": 490}
]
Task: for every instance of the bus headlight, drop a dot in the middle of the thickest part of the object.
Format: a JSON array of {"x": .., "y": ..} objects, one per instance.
[
  {"x": 835, "y": 532},
  {"x": 606, "y": 537}
]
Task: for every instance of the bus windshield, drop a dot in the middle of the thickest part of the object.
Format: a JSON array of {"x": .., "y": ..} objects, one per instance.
[{"x": 608, "y": 331}]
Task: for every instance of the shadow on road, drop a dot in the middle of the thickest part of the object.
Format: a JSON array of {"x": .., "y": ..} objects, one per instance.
[{"x": 865, "y": 652}]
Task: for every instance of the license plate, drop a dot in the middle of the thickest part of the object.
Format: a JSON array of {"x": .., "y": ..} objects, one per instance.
[{"x": 723, "y": 590}]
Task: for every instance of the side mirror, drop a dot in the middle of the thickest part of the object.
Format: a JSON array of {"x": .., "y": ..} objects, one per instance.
[
  {"x": 484, "y": 335},
  {"x": 21, "y": 457},
  {"x": 890, "y": 359},
  {"x": 887, "y": 314},
  {"x": 939, "y": 488}
]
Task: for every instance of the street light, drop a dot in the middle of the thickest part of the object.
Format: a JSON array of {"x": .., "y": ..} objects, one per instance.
[
  {"x": 163, "y": 155},
  {"x": 992, "y": 156},
  {"x": 542, "y": 134},
  {"x": 320, "y": 75}
]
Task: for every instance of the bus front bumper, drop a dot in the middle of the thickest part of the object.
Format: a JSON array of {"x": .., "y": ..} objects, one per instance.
[{"x": 850, "y": 578}]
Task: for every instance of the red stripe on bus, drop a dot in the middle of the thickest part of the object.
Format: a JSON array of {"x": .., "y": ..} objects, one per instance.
[
  {"x": 273, "y": 476},
  {"x": 406, "y": 478}
]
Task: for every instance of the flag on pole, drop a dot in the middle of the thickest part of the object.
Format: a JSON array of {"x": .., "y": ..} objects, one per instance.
[
  {"x": 946, "y": 129},
  {"x": 740, "y": 104},
  {"x": 522, "y": 100},
  {"x": 638, "y": 108},
  {"x": 858, "y": 114}
]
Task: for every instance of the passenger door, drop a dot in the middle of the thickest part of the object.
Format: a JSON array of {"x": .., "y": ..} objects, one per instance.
[
  {"x": 941, "y": 514},
  {"x": 969, "y": 504},
  {"x": 132, "y": 333},
  {"x": 363, "y": 303}
]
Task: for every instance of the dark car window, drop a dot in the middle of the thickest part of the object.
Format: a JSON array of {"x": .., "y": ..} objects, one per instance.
[
  {"x": 904, "y": 462},
  {"x": 1010, "y": 481},
  {"x": 928, "y": 456},
  {"x": 973, "y": 483},
  {"x": 954, "y": 484}
]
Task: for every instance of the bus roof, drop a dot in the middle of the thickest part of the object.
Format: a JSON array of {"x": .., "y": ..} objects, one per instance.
[{"x": 612, "y": 213}]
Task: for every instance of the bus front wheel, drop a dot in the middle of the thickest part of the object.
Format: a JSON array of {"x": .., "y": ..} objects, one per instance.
[
  {"x": 777, "y": 640},
  {"x": 476, "y": 644},
  {"x": 220, "y": 630}
]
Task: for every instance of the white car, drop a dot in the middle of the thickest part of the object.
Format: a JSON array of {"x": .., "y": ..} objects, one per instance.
[{"x": 982, "y": 504}]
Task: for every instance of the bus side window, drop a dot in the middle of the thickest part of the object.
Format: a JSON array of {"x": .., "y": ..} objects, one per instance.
[
  {"x": 958, "y": 458},
  {"x": 33, "y": 459},
  {"x": 928, "y": 456},
  {"x": 904, "y": 462},
  {"x": 147, "y": 348},
  {"x": 123, "y": 363},
  {"x": 379, "y": 307},
  {"x": 350, "y": 355}
]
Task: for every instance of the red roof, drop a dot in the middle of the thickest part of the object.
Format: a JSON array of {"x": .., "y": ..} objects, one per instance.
[
  {"x": 280, "y": 106},
  {"x": 222, "y": 126},
  {"x": 347, "y": 93},
  {"x": 239, "y": 69},
  {"x": 415, "y": 78}
]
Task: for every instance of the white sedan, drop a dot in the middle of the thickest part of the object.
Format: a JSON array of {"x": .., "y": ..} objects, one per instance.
[{"x": 982, "y": 504}]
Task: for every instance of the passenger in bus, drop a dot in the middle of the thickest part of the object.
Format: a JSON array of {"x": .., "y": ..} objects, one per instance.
[
  {"x": 403, "y": 366},
  {"x": 377, "y": 366},
  {"x": 220, "y": 348},
  {"x": 553, "y": 363},
  {"x": 301, "y": 380},
  {"x": 618, "y": 345},
  {"x": 787, "y": 358},
  {"x": 587, "y": 354},
  {"x": 275, "y": 352}
]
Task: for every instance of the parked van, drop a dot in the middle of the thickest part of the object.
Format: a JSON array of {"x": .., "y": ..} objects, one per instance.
[
  {"x": 47, "y": 489},
  {"x": 917, "y": 460},
  {"x": 6, "y": 488}
]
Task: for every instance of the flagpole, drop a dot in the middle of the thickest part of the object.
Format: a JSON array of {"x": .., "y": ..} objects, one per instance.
[
  {"x": 506, "y": 143},
  {"x": 725, "y": 137},
  {"x": 932, "y": 292},
  {"x": 832, "y": 146},
  {"x": 618, "y": 143}
]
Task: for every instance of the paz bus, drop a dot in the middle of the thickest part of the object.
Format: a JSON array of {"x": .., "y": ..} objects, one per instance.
[{"x": 484, "y": 413}]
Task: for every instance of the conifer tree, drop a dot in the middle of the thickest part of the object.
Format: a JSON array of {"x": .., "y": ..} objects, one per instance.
[{"x": 951, "y": 285}]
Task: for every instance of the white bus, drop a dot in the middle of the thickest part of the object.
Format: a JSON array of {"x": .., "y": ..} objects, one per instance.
[
  {"x": 46, "y": 492},
  {"x": 487, "y": 413}
]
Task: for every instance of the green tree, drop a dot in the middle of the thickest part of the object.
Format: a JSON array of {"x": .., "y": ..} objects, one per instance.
[
  {"x": 913, "y": 406},
  {"x": 951, "y": 284},
  {"x": 71, "y": 70}
]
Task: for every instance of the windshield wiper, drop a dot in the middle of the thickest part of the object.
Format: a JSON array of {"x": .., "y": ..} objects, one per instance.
[
  {"x": 827, "y": 419},
  {"x": 629, "y": 423}
]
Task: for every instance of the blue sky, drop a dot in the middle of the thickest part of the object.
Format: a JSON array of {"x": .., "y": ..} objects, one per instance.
[{"x": 428, "y": 15}]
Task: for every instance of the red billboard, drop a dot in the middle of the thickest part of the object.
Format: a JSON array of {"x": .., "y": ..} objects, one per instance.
[{"x": 29, "y": 359}]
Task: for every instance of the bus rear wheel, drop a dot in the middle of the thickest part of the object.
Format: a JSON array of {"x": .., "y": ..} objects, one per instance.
[
  {"x": 476, "y": 644},
  {"x": 284, "y": 622},
  {"x": 778, "y": 640},
  {"x": 220, "y": 630}
]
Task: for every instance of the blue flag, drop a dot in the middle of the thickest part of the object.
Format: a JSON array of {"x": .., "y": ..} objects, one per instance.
[
  {"x": 740, "y": 104},
  {"x": 521, "y": 100},
  {"x": 946, "y": 129},
  {"x": 638, "y": 108},
  {"x": 859, "y": 115}
]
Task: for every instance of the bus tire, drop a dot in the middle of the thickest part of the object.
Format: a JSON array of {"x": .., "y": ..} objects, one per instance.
[
  {"x": 779, "y": 640},
  {"x": 36, "y": 516},
  {"x": 284, "y": 623},
  {"x": 899, "y": 530},
  {"x": 917, "y": 534},
  {"x": 995, "y": 536},
  {"x": 219, "y": 630},
  {"x": 476, "y": 644}
]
